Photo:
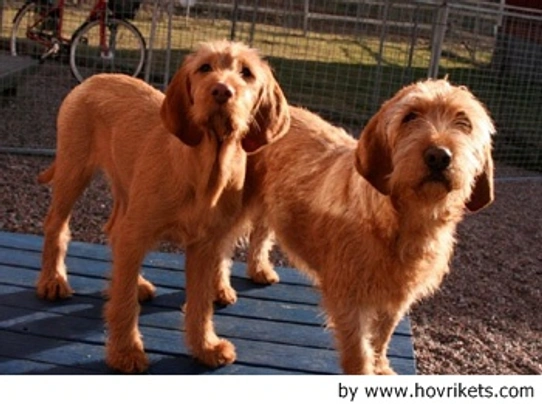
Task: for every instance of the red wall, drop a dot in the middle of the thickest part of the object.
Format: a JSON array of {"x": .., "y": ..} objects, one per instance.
[
  {"x": 525, "y": 3},
  {"x": 523, "y": 27}
]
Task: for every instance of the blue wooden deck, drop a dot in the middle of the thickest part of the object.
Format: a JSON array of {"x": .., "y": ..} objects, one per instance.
[{"x": 276, "y": 329}]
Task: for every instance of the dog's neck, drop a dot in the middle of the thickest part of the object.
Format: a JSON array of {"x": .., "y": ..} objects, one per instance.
[
  {"x": 425, "y": 231},
  {"x": 226, "y": 171}
]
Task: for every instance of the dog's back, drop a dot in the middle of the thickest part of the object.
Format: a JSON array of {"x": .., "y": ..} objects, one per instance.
[
  {"x": 308, "y": 177},
  {"x": 375, "y": 222},
  {"x": 312, "y": 146},
  {"x": 106, "y": 123},
  {"x": 90, "y": 126}
]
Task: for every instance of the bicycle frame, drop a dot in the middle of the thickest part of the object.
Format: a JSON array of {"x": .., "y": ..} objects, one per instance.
[
  {"x": 99, "y": 11},
  {"x": 101, "y": 5},
  {"x": 93, "y": 44},
  {"x": 37, "y": 35}
]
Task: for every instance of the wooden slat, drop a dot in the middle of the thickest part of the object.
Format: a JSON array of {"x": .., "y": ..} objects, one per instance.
[
  {"x": 230, "y": 326},
  {"x": 276, "y": 329},
  {"x": 24, "y": 366},
  {"x": 284, "y": 295},
  {"x": 13, "y": 69},
  {"x": 27, "y": 242}
]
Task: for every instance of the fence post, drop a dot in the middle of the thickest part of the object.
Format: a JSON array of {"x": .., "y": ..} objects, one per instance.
[
  {"x": 234, "y": 20},
  {"x": 439, "y": 32},
  {"x": 152, "y": 35},
  {"x": 253, "y": 23},
  {"x": 413, "y": 36},
  {"x": 168, "y": 43},
  {"x": 384, "y": 15},
  {"x": 1, "y": 14},
  {"x": 306, "y": 18}
]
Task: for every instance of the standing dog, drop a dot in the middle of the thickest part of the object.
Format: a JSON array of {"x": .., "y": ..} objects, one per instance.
[
  {"x": 373, "y": 221},
  {"x": 222, "y": 104}
]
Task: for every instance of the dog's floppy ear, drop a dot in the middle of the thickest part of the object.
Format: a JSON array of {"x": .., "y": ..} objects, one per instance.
[
  {"x": 373, "y": 155},
  {"x": 271, "y": 118},
  {"x": 175, "y": 111},
  {"x": 482, "y": 192}
]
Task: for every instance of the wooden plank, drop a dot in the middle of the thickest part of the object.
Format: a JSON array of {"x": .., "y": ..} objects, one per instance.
[
  {"x": 81, "y": 266},
  {"x": 14, "y": 69},
  {"x": 170, "y": 292},
  {"x": 75, "y": 343},
  {"x": 229, "y": 326},
  {"x": 47, "y": 350},
  {"x": 153, "y": 259},
  {"x": 172, "y": 318},
  {"x": 60, "y": 328},
  {"x": 10, "y": 65},
  {"x": 281, "y": 295},
  {"x": 166, "y": 299},
  {"x": 160, "y": 261},
  {"x": 49, "y": 362},
  {"x": 276, "y": 329},
  {"x": 17, "y": 366}
]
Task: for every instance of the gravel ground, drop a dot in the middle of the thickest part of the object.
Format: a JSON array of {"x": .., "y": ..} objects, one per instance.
[{"x": 486, "y": 319}]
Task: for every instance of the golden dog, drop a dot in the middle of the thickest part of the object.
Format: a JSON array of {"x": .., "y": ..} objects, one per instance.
[
  {"x": 222, "y": 104},
  {"x": 373, "y": 221}
]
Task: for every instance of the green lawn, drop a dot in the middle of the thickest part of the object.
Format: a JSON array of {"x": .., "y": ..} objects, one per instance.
[{"x": 345, "y": 77}]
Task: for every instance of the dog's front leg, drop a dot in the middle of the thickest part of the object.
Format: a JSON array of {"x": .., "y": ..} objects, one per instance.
[
  {"x": 124, "y": 346},
  {"x": 382, "y": 329},
  {"x": 351, "y": 326},
  {"x": 202, "y": 264}
]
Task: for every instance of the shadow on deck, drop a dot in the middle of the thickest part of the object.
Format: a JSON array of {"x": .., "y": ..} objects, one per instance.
[{"x": 276, "y": 329}]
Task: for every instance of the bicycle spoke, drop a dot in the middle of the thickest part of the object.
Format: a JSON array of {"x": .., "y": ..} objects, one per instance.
[{"x": 122, "y": 50}]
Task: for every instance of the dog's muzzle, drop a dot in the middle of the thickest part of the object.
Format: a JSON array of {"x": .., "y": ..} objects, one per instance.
[
  {"x": 222, "y": 93},
  {"x": 438, "y": 160}
]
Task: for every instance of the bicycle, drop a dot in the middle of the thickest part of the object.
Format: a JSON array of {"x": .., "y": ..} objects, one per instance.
[{"x": 104, "y": 42}]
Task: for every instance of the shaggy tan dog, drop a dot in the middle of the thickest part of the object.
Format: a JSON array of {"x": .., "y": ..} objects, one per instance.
[
  {"x": 221, "y": 104},
  {"x": 373, "y": 221}
]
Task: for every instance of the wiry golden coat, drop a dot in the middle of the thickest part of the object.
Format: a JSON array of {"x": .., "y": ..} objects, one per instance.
[
  {"x": 222, "y": 104},
  {"x": 373, "y": 221}
]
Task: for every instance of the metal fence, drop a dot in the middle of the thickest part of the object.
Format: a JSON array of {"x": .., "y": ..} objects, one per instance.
[{"x": 339, "y": 58}]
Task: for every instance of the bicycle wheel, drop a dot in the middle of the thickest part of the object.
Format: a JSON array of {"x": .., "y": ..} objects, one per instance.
[
  {"x": 24, "y": 24},
  {"x": 125, "y": 53}
]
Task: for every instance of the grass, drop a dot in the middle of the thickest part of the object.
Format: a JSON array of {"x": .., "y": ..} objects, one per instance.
[{"x": 346, "y": 77}]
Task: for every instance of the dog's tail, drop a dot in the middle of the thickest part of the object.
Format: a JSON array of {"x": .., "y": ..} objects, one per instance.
[{"x": 46, "y": 176}]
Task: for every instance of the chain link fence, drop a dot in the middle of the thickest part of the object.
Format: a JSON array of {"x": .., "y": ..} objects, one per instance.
[{"x": 339, "y": 58}]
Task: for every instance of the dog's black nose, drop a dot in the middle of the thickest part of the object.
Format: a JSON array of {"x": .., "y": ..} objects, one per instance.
[
  {"x": 221, "y": 93},
  {"x": 437, "y": 158}
]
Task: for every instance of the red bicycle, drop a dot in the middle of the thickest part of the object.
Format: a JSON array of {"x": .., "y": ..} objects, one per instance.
[{"x": 104, "y": 42}]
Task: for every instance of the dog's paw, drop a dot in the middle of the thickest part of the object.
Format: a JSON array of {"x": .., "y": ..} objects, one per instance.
[
  {"x": 383, "y": 367},
  {"x": 219, "y": 354},
  {"x": 55, "y": 288},
  {"x": 145, "y": 290},
  {"x": 385, "y": 371},
  {"x": 264, "y": 275},
  {"x": 127, "y": 361},
  {"x": 226, "y": 295}
]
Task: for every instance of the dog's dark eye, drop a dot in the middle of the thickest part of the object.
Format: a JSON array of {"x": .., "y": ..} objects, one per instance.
[
  {"x": 462, "y": 121},
  {"x": 246, "y": 73},
  {"x": 409, "y": 117},
  {"x": 204, "y": 68}
]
